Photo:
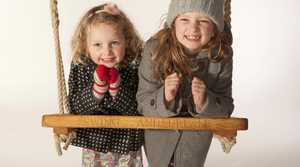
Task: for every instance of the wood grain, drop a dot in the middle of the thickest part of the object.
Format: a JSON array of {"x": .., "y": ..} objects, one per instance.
[{"x": 92, "y": 121}]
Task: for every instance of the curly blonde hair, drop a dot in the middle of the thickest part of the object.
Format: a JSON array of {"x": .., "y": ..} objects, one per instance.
[{"x": 96, "y": 15}]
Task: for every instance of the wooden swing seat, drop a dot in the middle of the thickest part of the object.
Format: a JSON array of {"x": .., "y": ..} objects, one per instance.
[{"x": 226, "y": 127}]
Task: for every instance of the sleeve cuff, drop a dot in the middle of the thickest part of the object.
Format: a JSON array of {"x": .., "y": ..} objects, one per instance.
[
  {"x": 204, "y": 106},
  {"x": 162, "y": 109},
  {"x": 211, "y": 107}
]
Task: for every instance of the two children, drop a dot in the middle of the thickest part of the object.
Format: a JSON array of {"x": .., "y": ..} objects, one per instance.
[{"x": 185, "y": 71}]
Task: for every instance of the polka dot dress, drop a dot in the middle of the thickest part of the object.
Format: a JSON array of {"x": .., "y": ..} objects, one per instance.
[{"x": 82, "y": 101}]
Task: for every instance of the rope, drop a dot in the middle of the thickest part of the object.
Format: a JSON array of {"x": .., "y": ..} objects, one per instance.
[
  {"x": 62, "y": 93},
  {"x": 227, "y": 143},
  {"x": 227, "y": 10}
]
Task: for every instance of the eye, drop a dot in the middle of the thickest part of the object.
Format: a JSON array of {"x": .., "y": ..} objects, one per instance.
[
  {"x": 204, "y": 21},
  {"x": 115, "y": 43},
  {"x": 183, "y": 19},
  {"x": 97, "y": 44}
]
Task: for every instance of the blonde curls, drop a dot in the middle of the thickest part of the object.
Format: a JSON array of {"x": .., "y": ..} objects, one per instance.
[{"x": 108, "y": 14}]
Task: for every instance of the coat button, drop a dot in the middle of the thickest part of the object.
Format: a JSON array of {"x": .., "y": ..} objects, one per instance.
[
  {"x": 152, "y": 102},
  {"x": 218, "y": 100}
]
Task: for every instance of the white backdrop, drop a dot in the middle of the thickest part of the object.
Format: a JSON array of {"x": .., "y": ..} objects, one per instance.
[{"x": 265, "y": 85}]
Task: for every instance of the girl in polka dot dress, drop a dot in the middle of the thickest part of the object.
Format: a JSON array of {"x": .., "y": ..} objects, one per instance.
[{"x": 103, "y": 81}]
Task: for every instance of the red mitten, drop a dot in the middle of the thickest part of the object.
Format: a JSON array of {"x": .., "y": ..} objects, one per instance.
[
  {"x": 101, "y": 78},
  {"x": 102, "y": 73},
  {"x": 113, "y": 74},
  {"x": 114, "y": 81}
]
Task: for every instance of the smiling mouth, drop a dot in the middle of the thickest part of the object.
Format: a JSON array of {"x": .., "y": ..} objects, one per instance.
[
  {"x": 108, "y": 60},
  {"x": 192, "y": 37}
]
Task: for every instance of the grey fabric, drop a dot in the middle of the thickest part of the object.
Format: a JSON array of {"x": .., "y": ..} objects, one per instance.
[
  {"x": 214, "y": 9},
  {"x": 150, "y": 93},
  {"x": 189, "y": 147}
]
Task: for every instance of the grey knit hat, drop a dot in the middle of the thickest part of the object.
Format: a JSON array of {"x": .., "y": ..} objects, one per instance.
[{"x": 214, "y": 9}]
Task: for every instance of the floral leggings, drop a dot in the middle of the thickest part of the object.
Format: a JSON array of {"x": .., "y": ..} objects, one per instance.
[{"x": 92, "y": 158}]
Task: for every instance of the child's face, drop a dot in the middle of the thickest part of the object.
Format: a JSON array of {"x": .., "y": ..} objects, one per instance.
[
  {"x": 105, "y": 44},
  {"x": 193, "y": 30}
]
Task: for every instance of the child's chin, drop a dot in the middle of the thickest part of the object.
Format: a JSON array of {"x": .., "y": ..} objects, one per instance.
[{"x": 110, "y": 65}]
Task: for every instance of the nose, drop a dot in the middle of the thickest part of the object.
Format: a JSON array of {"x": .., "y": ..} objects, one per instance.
[
  {"x": 106, "y": 50},
  {"x": 194, "y": 26}
]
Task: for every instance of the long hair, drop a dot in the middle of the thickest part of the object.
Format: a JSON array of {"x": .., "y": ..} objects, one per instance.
[
  {"x": 96, "y": 15},
  {"x": 169, "y": 57}
]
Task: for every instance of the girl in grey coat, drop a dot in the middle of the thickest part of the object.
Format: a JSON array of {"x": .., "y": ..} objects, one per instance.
[{"x": 185, "y": 71}]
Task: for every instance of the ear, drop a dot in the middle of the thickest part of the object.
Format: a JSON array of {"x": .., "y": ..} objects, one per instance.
[
  {"x": 213, "y": 34},
  {"x": 215, "y": 30}
]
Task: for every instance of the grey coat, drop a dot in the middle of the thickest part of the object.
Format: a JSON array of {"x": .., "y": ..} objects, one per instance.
[{"x": 189, "y": 147}]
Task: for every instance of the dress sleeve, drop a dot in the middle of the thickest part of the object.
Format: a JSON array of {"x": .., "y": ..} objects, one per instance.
[
  {"x": 219, "y": 101},
  {"x": 81, "y": 98},
  {"x": 124, "y": 103},
  {"x": 150, "y": 94}
]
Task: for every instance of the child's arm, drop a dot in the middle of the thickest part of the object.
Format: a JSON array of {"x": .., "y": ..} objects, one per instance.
[
  {"x": 100, "y": 85},
  {"x": 124, "y": 102},
  {"x": 81, "y": 98},
  {"x": 219, "y": 101},
  {"x": 150, "y": 95}
]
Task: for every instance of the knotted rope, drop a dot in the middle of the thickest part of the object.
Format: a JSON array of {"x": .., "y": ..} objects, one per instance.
[
  {"x": 227, "y": 143},
  {"x": 62, "y": 92}
]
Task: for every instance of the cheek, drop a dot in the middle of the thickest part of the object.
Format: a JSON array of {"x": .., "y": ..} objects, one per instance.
[
  {"x": 210, "y": 32},
  {"x": 93, "y": 55},
  {"x": 179, "y": 29},
  {"x": 179, "y": 35},
  {"x": 121, "y": 53},
  {"x": 94, "y": 58}
]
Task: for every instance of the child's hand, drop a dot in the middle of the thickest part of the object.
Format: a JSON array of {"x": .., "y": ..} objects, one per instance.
[
  {"x": 114, "y": 81},
  {"x": 198, "y": 92},
  {"x": 102, "y": 74},
  {"x": 101, "y": 78},
  {"x": 171, "y": 86}
]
